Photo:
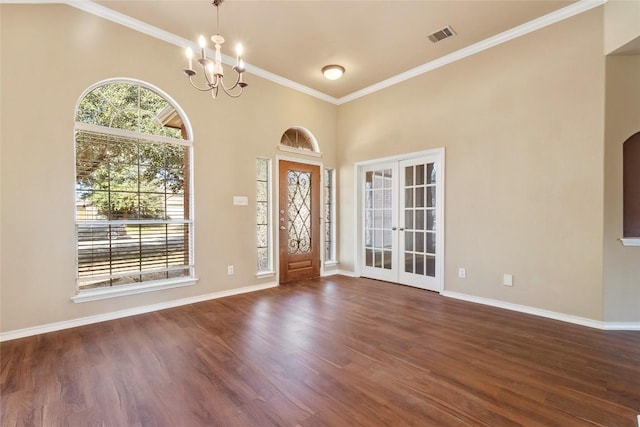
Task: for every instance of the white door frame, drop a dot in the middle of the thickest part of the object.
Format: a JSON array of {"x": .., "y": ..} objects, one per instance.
[{"x": 439, "y": 153}]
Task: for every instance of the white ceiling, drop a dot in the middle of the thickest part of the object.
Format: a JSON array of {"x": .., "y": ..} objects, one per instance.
[{"x": 373, "y": 40}]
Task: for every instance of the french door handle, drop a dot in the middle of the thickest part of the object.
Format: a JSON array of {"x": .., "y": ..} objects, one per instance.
[
  {"x": 401, "y": 229},
  {"x": 394, "y": 228}
]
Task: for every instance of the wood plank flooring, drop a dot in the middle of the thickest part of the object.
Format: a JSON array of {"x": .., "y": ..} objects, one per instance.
[{"x": 335, "y": 351}]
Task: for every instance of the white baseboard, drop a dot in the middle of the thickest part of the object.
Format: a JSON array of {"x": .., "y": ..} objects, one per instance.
[
  {"x": 347, "y": 273},
  {"x": 621, "y": 326},
  {"x": 57, "y": 326},
  {"x": 338, "y": 272},
  {"x": 607, "y": 326}
]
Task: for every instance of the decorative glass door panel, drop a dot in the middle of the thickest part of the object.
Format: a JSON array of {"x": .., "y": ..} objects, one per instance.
[
  {"x": 401, "y": 223},
  {"x": 299, "y": 207},
  {"x": 299, "y": 221}
]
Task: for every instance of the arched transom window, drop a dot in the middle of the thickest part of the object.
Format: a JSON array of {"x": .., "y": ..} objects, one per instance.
[
  {"x": 133, "y": 188},
  {"x": 298, "y": 138}
]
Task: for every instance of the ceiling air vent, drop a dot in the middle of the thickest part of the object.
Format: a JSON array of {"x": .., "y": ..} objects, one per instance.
[{"x": 442, "y": 34}]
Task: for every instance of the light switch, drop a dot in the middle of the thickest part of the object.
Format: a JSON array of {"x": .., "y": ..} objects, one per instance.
[
  {"x": 507, "y": 280},
  {"x": 240, "y": 200}
]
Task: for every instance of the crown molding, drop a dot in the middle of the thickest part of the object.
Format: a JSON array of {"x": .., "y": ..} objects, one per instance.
[{"x": 559, "y": 15}]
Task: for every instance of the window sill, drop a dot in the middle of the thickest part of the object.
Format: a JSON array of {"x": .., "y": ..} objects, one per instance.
[
  {"x": 630, "y": 241},
  {"x": 264, "y": 274},
  {"x": 119, "y": 291}
]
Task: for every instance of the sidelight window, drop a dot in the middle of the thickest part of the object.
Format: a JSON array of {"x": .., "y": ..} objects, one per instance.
[
  {"x": 329, "y": 216},
  {"x": 263, "y": 217}
]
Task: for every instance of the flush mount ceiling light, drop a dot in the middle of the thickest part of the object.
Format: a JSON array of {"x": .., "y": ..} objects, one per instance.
[
  {"x": 333, "y": 72},
  {"x": 212, "y": 68}
]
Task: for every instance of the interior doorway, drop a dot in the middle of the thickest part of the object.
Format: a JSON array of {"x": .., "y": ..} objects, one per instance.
[
  {"x": 298, "y": 221},
  {"x": 400, "y": 219}
]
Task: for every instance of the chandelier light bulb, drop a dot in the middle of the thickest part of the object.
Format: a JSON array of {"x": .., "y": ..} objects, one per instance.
[
  {"x": 239, "y": 50},
  {"x": 189, "y": 54}
]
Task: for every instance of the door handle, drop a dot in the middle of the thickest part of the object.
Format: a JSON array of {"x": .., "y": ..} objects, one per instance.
[
  {"x": 401, "y": 229},
  {"x": 394, "y": 228},
  {"x": 282, "y": 227}
]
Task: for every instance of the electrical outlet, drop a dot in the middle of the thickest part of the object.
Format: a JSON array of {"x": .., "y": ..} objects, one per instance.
[
  {"x": 230, "y": 270},
  {"x": 507, "y": 279},
  {"x": 462, "y": 273}
]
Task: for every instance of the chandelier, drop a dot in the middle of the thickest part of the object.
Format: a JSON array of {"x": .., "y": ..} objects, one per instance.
[{"x": 212, "y": 67}]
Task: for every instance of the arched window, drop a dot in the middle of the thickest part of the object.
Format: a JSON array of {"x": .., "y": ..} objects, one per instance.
[
  {"x": 299, "y": 139},
  {"x": 631, "y": 186},
  {"x": 133, "y": 189}
]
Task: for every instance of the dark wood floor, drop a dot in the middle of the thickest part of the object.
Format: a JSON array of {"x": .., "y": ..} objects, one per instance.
[{"x": 328, "y": 352}]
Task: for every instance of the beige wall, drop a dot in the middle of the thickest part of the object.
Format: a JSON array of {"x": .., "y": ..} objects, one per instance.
[
  {"x": 522, "y": 126},
  {"x": 621, "y": 23},
  {"x": 621, "y": 264},
  {"x": 50, "y": 55}
]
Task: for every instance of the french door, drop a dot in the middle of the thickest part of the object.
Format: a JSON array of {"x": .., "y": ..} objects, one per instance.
[
  {"x": 299, "y": 221},
  {"x": 401, "y": 222}
]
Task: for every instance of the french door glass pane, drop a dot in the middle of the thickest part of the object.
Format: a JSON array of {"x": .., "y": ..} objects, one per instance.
[
  {"x": 431, "y": 266},
  {"x": 431, "y": 196},
  {"x": 419, "y": 219},
  {"x": 408, "y": 241},
  {"x": 431, "y": 243},
  {"x": 408, "y": 262},
  {"x": 408, "y": 176},
  {"x": 419, "y": 175},
  {"x": 408, "y": 197},
  {"x": 408, "y": 219},
  {"x": 419, "y": 197},
  {"x": 431, "y": 173},
  {"x": 431, "y": 219}
]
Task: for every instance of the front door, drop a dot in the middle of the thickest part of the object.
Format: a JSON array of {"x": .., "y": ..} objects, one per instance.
[
  {"x": 401, "y": 208},
  {"x": 299, "y": 221}
]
